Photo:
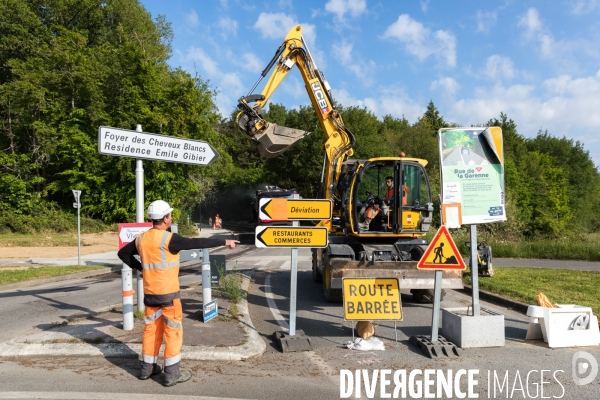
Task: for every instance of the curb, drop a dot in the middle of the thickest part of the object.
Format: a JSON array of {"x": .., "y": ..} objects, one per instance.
[
  {"x": 253, "y": 347},
  {"x": 496, "y": 299}
]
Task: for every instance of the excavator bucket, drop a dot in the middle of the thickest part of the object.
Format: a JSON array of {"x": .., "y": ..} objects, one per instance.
[{"x": 274, "y": 139}]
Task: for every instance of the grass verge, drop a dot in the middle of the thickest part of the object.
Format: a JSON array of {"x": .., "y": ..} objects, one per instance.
[
  {"x": 12, "y": 275},
  {"x": 560, "y": 285}
]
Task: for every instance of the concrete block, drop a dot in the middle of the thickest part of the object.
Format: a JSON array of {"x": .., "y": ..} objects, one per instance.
[
  {"x": 570, "y": 325},
  {"x": 465, "y": 330}
]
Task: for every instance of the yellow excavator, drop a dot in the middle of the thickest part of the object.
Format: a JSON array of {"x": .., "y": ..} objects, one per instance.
[{"x": 376, "y": 231}]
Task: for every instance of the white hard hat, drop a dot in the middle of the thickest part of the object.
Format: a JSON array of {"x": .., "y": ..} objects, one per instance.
[{"x": 158, "y": 209}]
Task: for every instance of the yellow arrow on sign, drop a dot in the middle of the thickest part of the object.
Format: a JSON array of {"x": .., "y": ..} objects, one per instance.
[
  {"x": 295, "y": 209},
  {"x": 280, "y": 236}
]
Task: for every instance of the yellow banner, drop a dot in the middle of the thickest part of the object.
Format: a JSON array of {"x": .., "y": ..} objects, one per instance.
[{"x": 372, "y": 299}]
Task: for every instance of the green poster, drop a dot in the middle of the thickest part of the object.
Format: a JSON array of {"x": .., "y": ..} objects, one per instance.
[{"x": 472, "y": 168}]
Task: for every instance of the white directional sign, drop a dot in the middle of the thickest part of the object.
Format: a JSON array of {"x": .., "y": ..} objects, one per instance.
[
  {"x": 190, "y": 255},
  {"x": 151, "y": 146},
  {"x": 128, "y": 231}
]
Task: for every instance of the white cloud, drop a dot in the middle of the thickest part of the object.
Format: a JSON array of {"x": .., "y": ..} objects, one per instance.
[
  {"x": 228, "y": 27},
  {"x": 448, "y": 86},
  {"x": 206, "y": 62},
  {"x": 192, "y": 18},
  {"x": 226, "y": 83},
  {"x": 248, "y": 61},
  {"x": 342, "y": 7},
  {"x": 486, "y": 20},
  {"x": 425, "y": 6},
  {"x": 498, "y": 67},
  {"x": 584, "y": 7},
  {"x": 391, "y": 101},
  {"x": 564, "y": 53},
  {"x": 342, "y": 51},
  {"x": 530, "y": 21},
  {"x": 275, "y": 25},
  {"x": 421, "y": 42},
  {"x": 567, "y": 108}
]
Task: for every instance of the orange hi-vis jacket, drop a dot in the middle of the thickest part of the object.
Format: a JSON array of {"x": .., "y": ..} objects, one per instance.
[{"x": 160, "y": 266}]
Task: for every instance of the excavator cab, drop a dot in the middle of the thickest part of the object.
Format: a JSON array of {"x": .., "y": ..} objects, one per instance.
[{"x": 392, "y": 197}]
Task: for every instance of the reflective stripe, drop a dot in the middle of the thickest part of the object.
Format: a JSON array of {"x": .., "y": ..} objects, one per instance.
[
  {"x": 152, "y": 317},
  {"x": 139, "y": 243},
  {"x": 173, "y": 360},
  {"x": 161, "y": 265},
  {"x": 163, "y": 251},
  {"x": 150, "y": 359},
  {"x": 163, "y": 256},
  {"x": 172, "y": 324}
]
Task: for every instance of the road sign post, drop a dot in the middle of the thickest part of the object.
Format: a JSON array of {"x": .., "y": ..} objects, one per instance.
[
  {"x": 77, "y": 205},
  {"x": 293, "y": 237},
  {"x": 441, "y": 254},
  {"x": 127, "y": 233}
]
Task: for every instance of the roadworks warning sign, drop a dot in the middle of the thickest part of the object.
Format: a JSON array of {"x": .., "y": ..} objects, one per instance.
[
  {"x": 372, "y": 299},
  {"x": 442, "y": 253}
]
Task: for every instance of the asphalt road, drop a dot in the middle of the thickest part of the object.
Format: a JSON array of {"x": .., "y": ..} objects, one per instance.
[{"x": 276, "y": 375}]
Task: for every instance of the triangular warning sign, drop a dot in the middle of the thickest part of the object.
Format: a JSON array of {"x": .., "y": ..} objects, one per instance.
[{"x": 442, "y": 253}]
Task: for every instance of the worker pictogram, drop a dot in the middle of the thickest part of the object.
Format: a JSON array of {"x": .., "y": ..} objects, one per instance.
[{"x": 442, "y": 253}]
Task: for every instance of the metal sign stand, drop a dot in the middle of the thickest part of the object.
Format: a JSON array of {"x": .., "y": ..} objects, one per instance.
[
  {"x": 435, "y": 346},
  {"x": 139, "y": 217},
  {"x": 126, "y": 271},
  {"x": 474, "y": 272},
  {"x": 77, "y": 205},
  {"x": 295, "y": 340}
]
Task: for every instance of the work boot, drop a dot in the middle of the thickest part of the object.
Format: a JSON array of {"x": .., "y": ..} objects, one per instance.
[
  {"x": 185, "y": 376},
  {"x": 156, "y": 369}
]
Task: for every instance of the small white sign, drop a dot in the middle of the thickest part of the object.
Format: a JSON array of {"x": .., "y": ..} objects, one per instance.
[
  {"x": 128, "y": 233},
  {"x": 151, "y": 146}
]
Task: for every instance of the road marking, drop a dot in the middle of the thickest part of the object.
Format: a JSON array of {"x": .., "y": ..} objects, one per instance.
[
  {"x": 286, "y": 265},
  {"x": 313, "y": 357},
  {"x": 273, "y": 307},
  {"x": 100, "y": 396}
]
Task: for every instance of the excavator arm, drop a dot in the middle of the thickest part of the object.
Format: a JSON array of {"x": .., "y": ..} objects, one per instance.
[{"x": 272, "y": 139}]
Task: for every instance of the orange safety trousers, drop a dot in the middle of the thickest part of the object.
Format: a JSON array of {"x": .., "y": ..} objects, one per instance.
[{"x": 163, "y": 322}]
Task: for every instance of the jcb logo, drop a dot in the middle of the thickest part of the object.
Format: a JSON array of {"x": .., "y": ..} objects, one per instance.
[{"x": 320, "y": 97}]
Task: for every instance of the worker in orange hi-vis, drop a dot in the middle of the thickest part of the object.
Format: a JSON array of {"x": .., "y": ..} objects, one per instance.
[{"x": 159, "y": 253}]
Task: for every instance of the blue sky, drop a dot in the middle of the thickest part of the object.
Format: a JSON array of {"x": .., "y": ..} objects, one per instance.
[{"x": 536, "y": 61}]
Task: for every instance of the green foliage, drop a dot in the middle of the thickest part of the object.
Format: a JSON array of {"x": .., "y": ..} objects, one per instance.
[
  {"x": 68, "y": 67},
  {"x": 231, "y": 284}
]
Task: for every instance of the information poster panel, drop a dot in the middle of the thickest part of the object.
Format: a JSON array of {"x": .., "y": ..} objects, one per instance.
[{"x": 472, "y": 161}]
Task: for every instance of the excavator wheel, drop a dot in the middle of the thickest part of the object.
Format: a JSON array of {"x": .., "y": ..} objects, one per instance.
[
  {"x": 331, "y": 295},
  {"x": 316, "y": 275}
]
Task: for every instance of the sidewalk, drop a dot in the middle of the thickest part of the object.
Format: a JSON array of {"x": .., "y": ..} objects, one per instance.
[{"x": 222, "y": 338}]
